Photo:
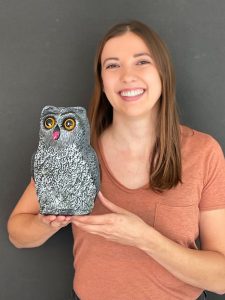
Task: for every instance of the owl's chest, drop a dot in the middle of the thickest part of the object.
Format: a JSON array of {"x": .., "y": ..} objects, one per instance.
[
  {"x": 63, "y": 181},
  {"x": 60, "y": 164}
]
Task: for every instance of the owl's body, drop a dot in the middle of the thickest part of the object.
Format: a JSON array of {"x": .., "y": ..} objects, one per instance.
[{"x": 65, "y": 166}]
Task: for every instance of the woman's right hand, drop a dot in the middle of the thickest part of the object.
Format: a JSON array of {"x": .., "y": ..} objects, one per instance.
[{"x": 55, "y": 221}]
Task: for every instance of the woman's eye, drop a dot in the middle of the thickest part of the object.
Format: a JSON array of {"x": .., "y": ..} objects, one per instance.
[
  {"x": 69, "y": 124},
  {"x": 49, "y": 122},
  {"x": 112, "y": 66},
  {"x": 143, "y": 62}
]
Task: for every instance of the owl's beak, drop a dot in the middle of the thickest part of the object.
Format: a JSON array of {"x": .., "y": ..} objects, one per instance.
[{"x": 56, "y": 133}]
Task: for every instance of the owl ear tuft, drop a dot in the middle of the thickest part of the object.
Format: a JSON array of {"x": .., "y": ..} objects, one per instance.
[
  {"x": 47, "y": 109},
  {"x": 81, "y": 110}
]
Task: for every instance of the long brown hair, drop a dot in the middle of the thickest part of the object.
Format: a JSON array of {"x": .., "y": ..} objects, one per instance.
[{"x": 165, "y": 167}]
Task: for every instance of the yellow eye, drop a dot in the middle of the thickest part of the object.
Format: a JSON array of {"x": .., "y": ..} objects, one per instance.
[
  {"x": 49, "y": 122},
  {"x": 69, "y": 124}
]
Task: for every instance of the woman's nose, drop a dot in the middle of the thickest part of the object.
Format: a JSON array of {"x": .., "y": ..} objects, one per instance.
[{"x": 128, "y": 75}]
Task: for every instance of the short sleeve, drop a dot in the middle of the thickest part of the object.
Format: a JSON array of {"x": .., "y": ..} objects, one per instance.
[{"x": 213, "y": 193}]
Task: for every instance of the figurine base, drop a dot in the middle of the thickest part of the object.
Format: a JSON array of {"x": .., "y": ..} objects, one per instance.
[{"x": 67, "y": 212}]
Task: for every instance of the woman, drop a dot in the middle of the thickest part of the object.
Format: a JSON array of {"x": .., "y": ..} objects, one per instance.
[{"x": 162, "y": 184}]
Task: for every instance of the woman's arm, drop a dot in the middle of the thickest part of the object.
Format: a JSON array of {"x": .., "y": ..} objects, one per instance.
[
  {"x": 26, "y": 227},
  {"x": 201, "y": 268}
]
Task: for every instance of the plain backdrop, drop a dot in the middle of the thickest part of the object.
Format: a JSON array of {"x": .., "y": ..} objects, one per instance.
[{"x": 46, "y": 57}]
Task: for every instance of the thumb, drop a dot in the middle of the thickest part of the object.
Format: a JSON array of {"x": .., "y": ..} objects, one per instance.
[{"x": 111, "y": 206}]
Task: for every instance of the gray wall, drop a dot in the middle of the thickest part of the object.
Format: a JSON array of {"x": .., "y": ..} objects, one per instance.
[{"x": 46, "y": 57}]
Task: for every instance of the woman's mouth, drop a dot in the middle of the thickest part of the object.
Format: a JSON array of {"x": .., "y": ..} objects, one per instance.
[{"x": 131, "y": 94}]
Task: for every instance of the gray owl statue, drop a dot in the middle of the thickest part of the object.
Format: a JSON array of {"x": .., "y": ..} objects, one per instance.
[{"x": 65, "y": 167}]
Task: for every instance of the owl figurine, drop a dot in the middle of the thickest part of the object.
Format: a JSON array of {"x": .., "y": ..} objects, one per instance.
[{"x": 65, "y": 167}]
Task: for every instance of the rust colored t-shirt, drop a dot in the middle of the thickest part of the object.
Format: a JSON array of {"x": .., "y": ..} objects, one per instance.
[{"x": 106, "y": 270}]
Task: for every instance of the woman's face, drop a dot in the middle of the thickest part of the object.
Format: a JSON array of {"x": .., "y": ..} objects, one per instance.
[{"x": 131, "y": 81}]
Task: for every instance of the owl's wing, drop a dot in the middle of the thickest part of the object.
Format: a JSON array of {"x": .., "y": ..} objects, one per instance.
[
  {"x": 32, "y": 165},
  {"x": 90, "y": 156}
]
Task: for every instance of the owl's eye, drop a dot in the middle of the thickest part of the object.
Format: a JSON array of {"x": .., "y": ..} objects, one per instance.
[
  {"x": 49, "y": 122},
  {"x": 69, "y": 124}
]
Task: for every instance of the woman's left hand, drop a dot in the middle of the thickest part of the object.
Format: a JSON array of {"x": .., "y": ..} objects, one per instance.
[{"x": 120, "y": 226}]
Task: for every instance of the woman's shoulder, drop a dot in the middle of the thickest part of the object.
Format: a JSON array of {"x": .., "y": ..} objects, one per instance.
[{"x": 197, "y": 139}]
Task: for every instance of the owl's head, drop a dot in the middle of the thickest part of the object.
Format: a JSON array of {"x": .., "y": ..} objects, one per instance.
[{"x": 61, "y": 126}]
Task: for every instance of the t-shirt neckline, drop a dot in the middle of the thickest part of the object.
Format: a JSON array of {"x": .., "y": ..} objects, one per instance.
[{"x": 112, "y": 177}]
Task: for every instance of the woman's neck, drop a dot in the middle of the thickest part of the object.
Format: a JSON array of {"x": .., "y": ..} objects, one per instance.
[{"x": 132, "y": 135}]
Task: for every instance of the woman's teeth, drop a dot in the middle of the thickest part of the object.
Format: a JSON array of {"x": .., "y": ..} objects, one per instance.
[{"x": 132, "y": 93}]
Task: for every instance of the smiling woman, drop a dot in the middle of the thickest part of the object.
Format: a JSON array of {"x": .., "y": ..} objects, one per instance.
[
  {"x": 162, "y": 185},
  {"x": 135, "y": 81}
]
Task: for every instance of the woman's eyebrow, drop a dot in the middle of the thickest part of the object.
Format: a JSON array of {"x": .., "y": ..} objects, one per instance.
[
  {"x": 142, "y": 53},
  {"x": 109, "y": 58}
]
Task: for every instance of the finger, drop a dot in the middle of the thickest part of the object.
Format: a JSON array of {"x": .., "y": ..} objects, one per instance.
[
  {"x": 56, "y": 224},
  {"x": 94, "y": 229},
  {"x": 47, "y": 219},
  {"x": 65, "y": 223},
  {"x": 95, "y": 219},
  {"x": 111, "y": 206},
  {"x": 60, "y": 218}
]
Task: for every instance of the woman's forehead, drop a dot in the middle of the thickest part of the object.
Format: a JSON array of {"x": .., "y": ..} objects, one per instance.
[{"x": 126, "y": 44}]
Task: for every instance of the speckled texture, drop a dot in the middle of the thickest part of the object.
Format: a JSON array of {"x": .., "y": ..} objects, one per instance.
[{"x": 66, "y": 171}]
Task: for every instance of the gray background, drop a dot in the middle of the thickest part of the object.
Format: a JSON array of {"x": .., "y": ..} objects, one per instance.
[{"x": 46, "y": 57}]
